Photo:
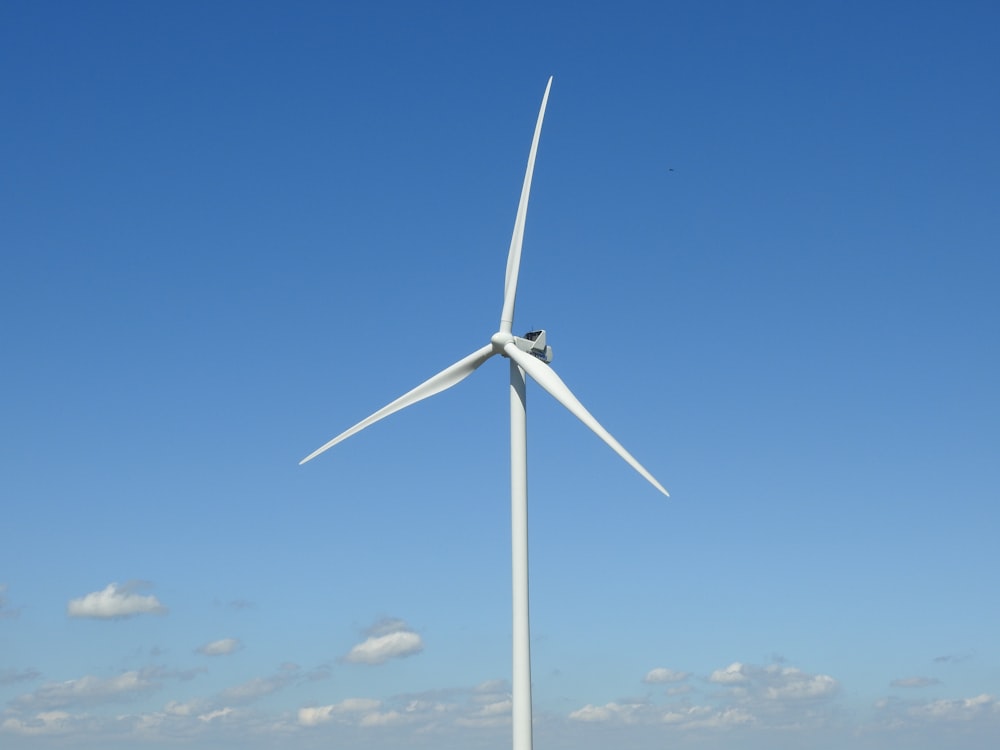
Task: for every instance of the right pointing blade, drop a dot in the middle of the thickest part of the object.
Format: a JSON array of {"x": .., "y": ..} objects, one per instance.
[
  {"x": 514, "y": 254},
  {"x": 442, "y": 381},
  {"x": 546, "y": 377}
]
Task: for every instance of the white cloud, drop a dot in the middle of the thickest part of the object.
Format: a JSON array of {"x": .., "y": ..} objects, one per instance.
[
  {"x": 485, "y": 707},
  {"x": 734, "y": 673},
  {"x": 221, "y": 647},
  {"x": 662, "y": 674},
  {"x": 115, "y": 602},
  {"x": 382, "y": 719},
  {"x": 488, "y": 714},
  {"x": 45, "y": 722},
  {"x": 766, "y": 697},
  {"x": 787, "y": 683},
  {"x": 626, "y": 713},
  {"x": 219, "y": 713},
  {"x": 914, "y": 682},
  {"x": 259, "y": 687},
  {"x": 176, "y": 708},
  {"x": 773, "y": 682},
  {"x": 313, "y": 716},
  {"x": 963, "y": 709},
  {"x": 89, "y": 690},
  {"x": 727, "y": 718},
  {"x": 387, "y": 639},
  {"x": 678, "y": 717},
  {"x": 491, "y": 688},
  {"x": 595, "y": 713},
  {"x": 685, "y": 714}
]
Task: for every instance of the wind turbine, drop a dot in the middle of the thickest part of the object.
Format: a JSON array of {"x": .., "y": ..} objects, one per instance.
[{"x": 528, "y": 354}]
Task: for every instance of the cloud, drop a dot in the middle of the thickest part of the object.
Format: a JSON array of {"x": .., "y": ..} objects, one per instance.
[
  {"x": 963, "y": 709},
  {"x": 363, "y": 712},
  {"x": 676, "y": 717},
  {"x": 662, "y": 674},
  {"x": 732, "y": 674},
  {"x": 914, "y": 682},
  {"x": 625, "y": 713},
  {"x": 45, "y": 722},
  {"x": 771, "y": 697},
  {"x": 784, "y": 684},
  {"x": 387, "y": 639},
  {"x": 6, "y": 612},
  {"x": 259, "y": 687},
  {"x": 488, "y": 713},
  {"x": 966, "y": 715},
  {"x": 221, "y": 647},
  {"x": 952, "y": 658},
  {"x": 115, "y": 602},
  {"x": 351, "y": 707},
  {"x": 12, "y": 676},
  {"x": 89, "y": 690},
  {"x": 774, "y": 682},
  {"x": 485, "y": 706}
]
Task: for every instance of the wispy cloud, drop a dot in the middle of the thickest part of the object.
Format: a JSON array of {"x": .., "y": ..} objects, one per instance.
[
  {"x": 962, "y": 709},
  {"x": 10, "y": 676},
  {"x": 914, "y": 682},
  {"x": 258, "y": 687},
  {"x": 981, "y": 711},
  {"x": 952, "y": 658},
  {"x": 6, "y": 611},
  {"x": 353, "y": 709},
  {"x": 116, "y": 602},
  {"x": 387, "y": 639},
  {"x": 221, "y": 647},
  {"x": 42, "y": 723},
  {"x": 663, "y": 674},
  {"x": 770, "y": 697},
  {"x": 485, "y": 706},
  {"x": 90, "y": 690}
]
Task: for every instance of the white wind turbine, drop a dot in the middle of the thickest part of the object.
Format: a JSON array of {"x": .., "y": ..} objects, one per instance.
[{"x": 527, "y": 355}]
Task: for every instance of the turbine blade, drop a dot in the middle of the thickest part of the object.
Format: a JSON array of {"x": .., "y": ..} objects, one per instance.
[
  {"x": 514, "y": 255},
  {"x": 546, "y": 377},
  {"x": 440, "y": 382}
]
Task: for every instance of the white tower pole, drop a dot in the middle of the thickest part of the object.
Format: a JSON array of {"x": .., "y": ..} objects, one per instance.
[{"x": 521, "y": 673}]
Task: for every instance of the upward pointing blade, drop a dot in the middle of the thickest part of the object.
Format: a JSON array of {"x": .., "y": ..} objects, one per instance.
[
  {"x": 440, "y": 382},
  {"x": 546, "y": 377},
  {"x": 514, "y": 255}
]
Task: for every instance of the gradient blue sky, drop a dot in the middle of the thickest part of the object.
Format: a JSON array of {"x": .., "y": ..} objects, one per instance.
[{"x": 764, "y": 240}]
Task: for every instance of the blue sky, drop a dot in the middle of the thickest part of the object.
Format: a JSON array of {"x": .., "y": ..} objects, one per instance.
[{"x": 763, "y": 239}]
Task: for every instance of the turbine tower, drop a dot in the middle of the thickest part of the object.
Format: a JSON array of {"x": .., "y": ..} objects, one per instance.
[{"x": 528, "y": 354}]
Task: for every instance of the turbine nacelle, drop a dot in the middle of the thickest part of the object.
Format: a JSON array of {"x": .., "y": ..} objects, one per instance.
[{"x": 533, "y": 343}]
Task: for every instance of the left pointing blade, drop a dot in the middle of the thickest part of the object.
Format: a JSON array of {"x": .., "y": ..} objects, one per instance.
[
  {"x": 440, "y": 382},
  {"x": 546, "y": 377}
]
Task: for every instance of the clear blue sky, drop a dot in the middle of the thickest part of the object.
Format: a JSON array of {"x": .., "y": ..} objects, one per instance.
[{"x": 764, "y": 240}]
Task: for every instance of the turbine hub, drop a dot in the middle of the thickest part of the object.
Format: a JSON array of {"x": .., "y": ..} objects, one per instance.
[{"x": 500, "y": 340}]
